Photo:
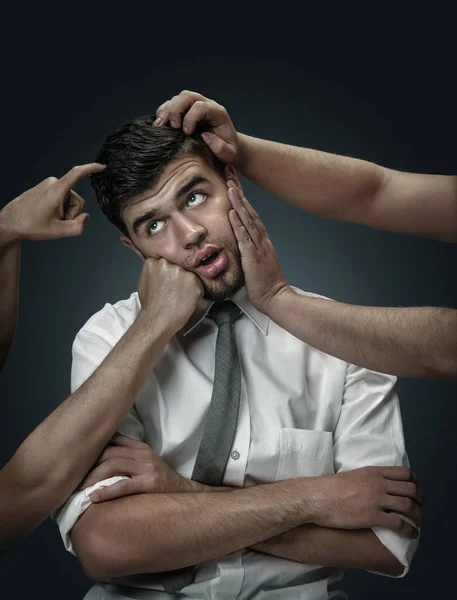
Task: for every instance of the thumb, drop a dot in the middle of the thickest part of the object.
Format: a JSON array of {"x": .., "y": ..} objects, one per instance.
[
  {"x": 73, "y": 227},
  {"x": 218, "y": 147}
]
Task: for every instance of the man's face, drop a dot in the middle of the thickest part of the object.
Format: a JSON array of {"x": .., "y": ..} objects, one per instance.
[{"x": 184, "y": 219}]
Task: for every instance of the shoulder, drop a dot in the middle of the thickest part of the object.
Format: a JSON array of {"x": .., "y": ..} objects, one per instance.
[{"x": 113, "y": 320}]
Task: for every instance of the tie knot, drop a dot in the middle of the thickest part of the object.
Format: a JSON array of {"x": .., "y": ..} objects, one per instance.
[{"x": 224, "y": 312}]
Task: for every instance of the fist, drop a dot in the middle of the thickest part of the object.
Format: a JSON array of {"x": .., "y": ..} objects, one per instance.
[{"x": 167, "y": 291}]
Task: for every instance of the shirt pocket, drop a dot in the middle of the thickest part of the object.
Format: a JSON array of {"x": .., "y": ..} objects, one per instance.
[{"x": 304, "y": 453}]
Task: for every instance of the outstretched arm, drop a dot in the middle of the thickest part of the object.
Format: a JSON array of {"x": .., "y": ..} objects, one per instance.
[
  {"x": 324, "y": 184},
  {"x": 410, "y": 342}
]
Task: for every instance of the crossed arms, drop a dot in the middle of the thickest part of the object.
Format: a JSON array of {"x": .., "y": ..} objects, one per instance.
[{"x": 315, "y": 520}]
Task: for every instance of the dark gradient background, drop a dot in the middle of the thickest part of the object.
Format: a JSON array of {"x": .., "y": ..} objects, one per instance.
[{"x": 387, "y": 96}]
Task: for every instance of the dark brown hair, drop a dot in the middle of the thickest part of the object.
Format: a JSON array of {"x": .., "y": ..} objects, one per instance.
[{"x": 135, "y": 156}]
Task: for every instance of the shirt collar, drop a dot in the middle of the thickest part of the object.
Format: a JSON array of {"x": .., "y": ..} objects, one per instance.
[{"x": 241, "y": 299}]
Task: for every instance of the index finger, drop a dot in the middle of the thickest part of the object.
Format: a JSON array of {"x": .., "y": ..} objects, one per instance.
[
  {"x": 174, "y": 109},
  {"x": 79, "y": 172}
]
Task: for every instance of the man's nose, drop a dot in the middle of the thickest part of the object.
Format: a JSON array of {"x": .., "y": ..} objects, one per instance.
[{"x": 190, "y": 231}]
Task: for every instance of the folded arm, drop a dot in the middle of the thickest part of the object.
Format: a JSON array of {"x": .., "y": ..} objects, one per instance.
[
  {"x": 158, "y": 532},
  {"x": 314, "y": 545}
]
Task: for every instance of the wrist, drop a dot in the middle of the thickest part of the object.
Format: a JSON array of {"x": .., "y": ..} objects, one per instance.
[
  {"x": 153, "y": 327},
  {"x": 276, "y": 303},
  {"x": 8, "y": 236},
  {"x": 239, "y": 162},
  {"x": 310, "y": 500}
]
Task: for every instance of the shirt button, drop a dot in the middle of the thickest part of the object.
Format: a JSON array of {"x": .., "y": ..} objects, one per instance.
[{"x": 235, "y": 455}]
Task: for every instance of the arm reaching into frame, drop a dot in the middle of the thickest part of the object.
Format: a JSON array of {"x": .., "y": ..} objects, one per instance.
[
  {"x": 324, "y": 184},
  {"x": 48, "y": 211},
  {"x": 409, "y": 342}
]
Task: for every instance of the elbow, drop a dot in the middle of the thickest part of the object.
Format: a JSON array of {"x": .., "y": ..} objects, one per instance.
[
  {"x": 94, "y": 557},
  {"x": 384, "y": 562},
  {"x": 98, "y": 556}
]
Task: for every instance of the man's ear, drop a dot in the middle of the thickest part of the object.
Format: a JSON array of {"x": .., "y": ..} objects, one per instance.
[
  {"x": 230, "y": 173},
  {"x": 129, "y": 244}
]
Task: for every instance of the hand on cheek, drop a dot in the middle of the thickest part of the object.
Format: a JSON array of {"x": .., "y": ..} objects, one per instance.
[{"x": 262, "y": 271}]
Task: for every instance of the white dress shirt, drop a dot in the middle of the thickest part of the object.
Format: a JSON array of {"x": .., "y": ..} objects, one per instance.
[{"x": 302, "y": 413}]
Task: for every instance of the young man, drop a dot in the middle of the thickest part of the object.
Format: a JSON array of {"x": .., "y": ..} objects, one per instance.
[
  {"x": 410, "y": 342},
  {"x": 307, "y": 479}
]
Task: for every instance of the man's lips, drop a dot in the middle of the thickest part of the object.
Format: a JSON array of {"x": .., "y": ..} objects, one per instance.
[
  {"x": 215, "y": 267},
  {"x": 204, "y": 254}
]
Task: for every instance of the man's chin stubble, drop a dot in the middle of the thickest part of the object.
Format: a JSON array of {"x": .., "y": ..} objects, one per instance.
[{"x": 223, "y": 289}]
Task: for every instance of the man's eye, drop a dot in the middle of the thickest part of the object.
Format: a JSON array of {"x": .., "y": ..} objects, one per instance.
[
  {"x": 196, "y": 198},
  {"x": 154, "y": 227}
]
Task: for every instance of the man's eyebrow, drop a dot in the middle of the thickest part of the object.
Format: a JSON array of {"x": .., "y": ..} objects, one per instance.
[
  {"x": 148, "y": 216},
  {"x": 188, "y": 186}
]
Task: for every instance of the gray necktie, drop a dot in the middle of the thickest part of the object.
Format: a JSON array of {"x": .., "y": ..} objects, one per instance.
[{"x": 221, "y": 420}]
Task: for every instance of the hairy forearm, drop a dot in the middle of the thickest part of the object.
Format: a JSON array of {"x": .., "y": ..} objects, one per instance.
[
  {"x": 354, "y": 190},
  {"x": 310, "y": 544},
  {"x": 408, "y": 342},
  {"x": 314, "y": 545},
  {"x": 51, "y": 462},
  {"x": 161, "y": 532},
  {"x": 10, "y": 265},
  {"x": 327, "y": 185}
]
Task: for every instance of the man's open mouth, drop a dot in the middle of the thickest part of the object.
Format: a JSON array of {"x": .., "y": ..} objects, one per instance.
[
  {"x": 213, "y": 264},
  {"x": 209, "y": 259}
]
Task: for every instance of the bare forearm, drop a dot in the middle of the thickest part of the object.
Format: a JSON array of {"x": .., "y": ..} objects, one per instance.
[
  {"x": 310, "y": 544},
  {"x": 354, "y": 190},
  {"x": 51, "y": 462},
  {"x": 409, "y": 342},
  {"x": 10, "y": 265},
  {"x": 160, "y": 532},
  {"x": 327, "y": 185},
  {"x": 314, "y": 545}
]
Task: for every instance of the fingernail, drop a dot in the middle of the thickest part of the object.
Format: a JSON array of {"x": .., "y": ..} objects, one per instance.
[
  {"x": 206, "y": 136},
  {"x": 94, "y": 497},
  {"x": 157, "y": 122},
  {"x": 185, "y": 130},
  {"x": 173, "y": 124}
]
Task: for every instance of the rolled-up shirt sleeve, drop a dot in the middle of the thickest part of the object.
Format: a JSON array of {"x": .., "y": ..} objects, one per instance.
[
  {"x": 68, "y": 514},
  {"x": 369, "y": 432}
]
